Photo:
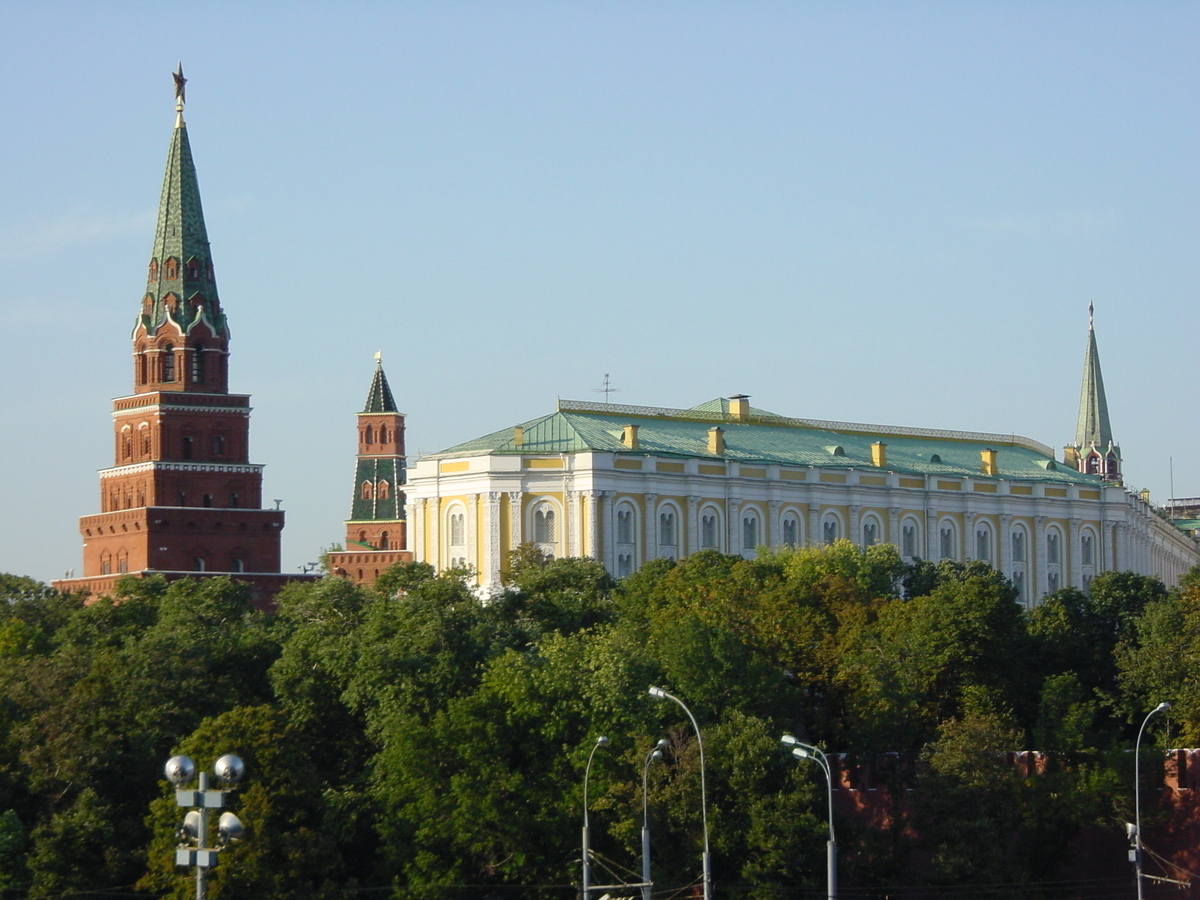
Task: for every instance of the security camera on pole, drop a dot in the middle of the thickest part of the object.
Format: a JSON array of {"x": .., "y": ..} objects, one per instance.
[{"x": 193, "y": 849}]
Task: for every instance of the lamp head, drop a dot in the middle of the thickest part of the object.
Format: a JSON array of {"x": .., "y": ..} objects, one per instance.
[
  {"x": 1162, "y": 707},
  {"x": 663, "y": 744},
  {"x": 229, "y": 827},
  {"x": 790, "y": 740},
  {"x": 602, "y": 740},
  {"x": 657, "y": 692},
  {"x": 179, "y": 770},
  {"x": 800, "y": 753},
  {"x": 190, "y": 829},
  {"x": 656, "y": 754},
  {"x": 229, "y": 769}
]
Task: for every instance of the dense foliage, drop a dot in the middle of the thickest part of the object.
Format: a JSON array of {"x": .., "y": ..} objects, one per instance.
[{"x": 412, "y": 741}]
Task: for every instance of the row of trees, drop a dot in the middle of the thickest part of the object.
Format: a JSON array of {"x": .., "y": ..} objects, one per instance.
[{"x": 411, "y": 741}]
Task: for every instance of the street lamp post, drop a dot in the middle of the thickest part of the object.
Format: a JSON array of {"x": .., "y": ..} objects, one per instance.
[
  {"x": 193, "y": 849},
  {"x": 807, "y": 751},
  {"x": 660, "y": 694},
  {"x": 1137, "y": 796},
  {"x": 587, "y": 864},
  {"x": 654, "y": 754}
]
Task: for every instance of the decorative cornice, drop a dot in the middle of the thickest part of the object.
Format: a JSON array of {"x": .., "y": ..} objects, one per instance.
[{"x": 160, "y": 466}]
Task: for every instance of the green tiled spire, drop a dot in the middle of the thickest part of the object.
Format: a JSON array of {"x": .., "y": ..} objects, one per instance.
[
  {"x": 379, "y": 398},
  {"x": 1092, "y": 428},
  {"x": 181, "y": 246}
]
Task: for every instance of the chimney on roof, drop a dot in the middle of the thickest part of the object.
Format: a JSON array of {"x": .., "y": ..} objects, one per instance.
[
  {"x": 716, "y": 440},
  {"x": 879, "y": 454},
  {"x": 629, "y": 436},
  {"x": 739, "y": 407},
  {"x": 988, "y": 458},
  {"x": 518, "y": 436}
]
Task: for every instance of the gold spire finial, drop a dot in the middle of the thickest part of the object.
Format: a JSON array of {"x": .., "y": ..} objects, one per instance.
[{"x": 379, "y": 357}]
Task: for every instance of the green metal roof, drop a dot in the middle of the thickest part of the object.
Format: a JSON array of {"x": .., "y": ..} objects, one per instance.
[
  {"x": 1092, "y": 428},
  {"x": 180, "y": 234},
  {"x": 766, "y": 438},
  {"x": 379, "y": 398}
]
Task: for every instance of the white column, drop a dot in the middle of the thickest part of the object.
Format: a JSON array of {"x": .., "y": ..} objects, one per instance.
[
  {"x": 472, "y": 535},
  {"x": 1004, "y": 546},
  {"x": 733, "y": 537},
  {"x": 610, "y": 533},
  {"x": 968, "y": 547},
  {"x": 515, "y": 536},
  {"x": 814, "y": 525},
  {"x": 893, "y": 535},
  {"x": 692, "y": 540},
  {"x": 855, "y": 534},
  {"x": 414, "y": 514},
  {"x": 573, "y": 529},
  {"x": 1039, "y": 549},
  {"x": 651, "y": 529},
  {"x": 490, "y": 574},
  {"x": 592, "y": 544},
  {"x": 773, "y": 538}
]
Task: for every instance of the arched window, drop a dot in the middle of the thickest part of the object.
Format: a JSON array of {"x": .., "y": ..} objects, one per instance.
[
  {"x": 1052, "y": 548},
  {"x": 1018, "y": 545},
  {"x": 198, "y": 364},
  {"x": 544, "y": 531},
  {"x": 983, "y": 543},
  {"x": 383, "y": 491},
  {"x": 749, "y": 532},
  {"x": 368, "y": 490},
  {"x": 870, "y": 531},
  {"x": 218, "y": 445},
  {"x": 1087, "y": 549},
  {"x": 237, "y": 565},
  {"x": 946, "y": 541},
  {"x": 126, "y": 443},
  {"x": 625, "y": 525},
  {"x": 143, "y": 370},
  {"x": 171, "y": 269},
  {"x": 666, "y": 528},
  {"x": 383, "y": 541},
  {"x": 545, "y": 528},
  {"x": 830, "y": 530},
  {"x": 168, "y": 363},
  {"x": 790, "y": 528},
  {"x": 710, "y": 529},
  {"x": 458, "y": 530},
  {"x": 144, "y": 432},
  {"x": 383, "y": 434},
  {"x": 370, "y": 434},
  {"x": 154, "y": 270},
  {"x": 908, "y": 539}
]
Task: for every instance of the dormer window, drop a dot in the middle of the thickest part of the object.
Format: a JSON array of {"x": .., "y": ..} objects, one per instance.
[
  {"x": 193, "y": 270},
  {"x": 171, "y": 269},
  {"x": 154, "y": 270}
]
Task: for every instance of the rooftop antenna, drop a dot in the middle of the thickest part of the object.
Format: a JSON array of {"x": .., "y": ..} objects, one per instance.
[
  {"x": 1171, "y": 461},
  {"x": 607, "y": 389}
]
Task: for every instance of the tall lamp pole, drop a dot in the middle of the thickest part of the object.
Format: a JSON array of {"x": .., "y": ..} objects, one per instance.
[
  {"x": 807, "y": 751},
  {"x": 587, "y": 863},
  {"x": 193, "y": 848},
  {"x": 660, "y": 694},
  {"x": 1137, "y": 796},
  {"x": 654, "y": 754}
]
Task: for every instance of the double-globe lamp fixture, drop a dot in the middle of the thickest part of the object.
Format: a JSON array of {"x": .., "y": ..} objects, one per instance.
[
  {"x": 193, "y": 849},
  {"x": 801, "y": 750}
]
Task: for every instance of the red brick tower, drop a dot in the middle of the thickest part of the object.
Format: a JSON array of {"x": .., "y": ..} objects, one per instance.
[
  {"x": 182, "y": 496},
  {"x": 375, "y": 532}
]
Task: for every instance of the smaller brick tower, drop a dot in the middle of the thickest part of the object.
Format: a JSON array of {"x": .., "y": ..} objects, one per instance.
[
  {"x": 182, "y": 497},
  {"x": 375, "y": 532}
]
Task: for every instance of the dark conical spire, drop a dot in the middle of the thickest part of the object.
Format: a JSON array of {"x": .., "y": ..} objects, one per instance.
[
  {"x": 379, "y": 398},
  {"x": 1092, "y": 428},
  {"x": 181, "y": 285}
]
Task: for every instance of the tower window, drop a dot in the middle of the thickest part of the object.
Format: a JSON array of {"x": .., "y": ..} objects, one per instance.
[
  {"x": 368, "y": 492},
  {"x": 218, "y": 445},
  {"x": 143, "y": 370},
  {"x": 370, "y": 435},
  {"x": 208, "y": 499},
  {"x": 187, "y": 448},
  {"x": 384, "y": 491},
  {"x": 171, "y": 269},
  {"x": 233, "y": 500},
  {"x": 153, "y": 269},
  {"x": 168, "y": 363},
  {"x": 237, "y": 565},
  {"x": 198, "y": 364},
  {"x": 383, "y": 540}
]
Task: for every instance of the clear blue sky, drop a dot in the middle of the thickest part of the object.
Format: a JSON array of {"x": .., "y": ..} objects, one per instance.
[{"x": 890, "y": 213}]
